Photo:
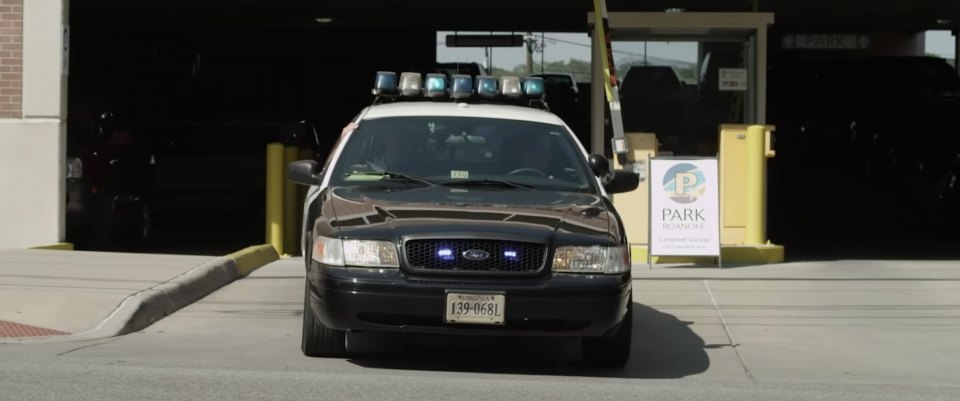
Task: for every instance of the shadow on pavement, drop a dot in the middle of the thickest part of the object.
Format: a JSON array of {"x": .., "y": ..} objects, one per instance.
[{"x": 663, "y": 347}]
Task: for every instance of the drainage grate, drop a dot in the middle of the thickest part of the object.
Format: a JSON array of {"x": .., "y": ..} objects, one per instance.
[{"x": 11, "y": 329}]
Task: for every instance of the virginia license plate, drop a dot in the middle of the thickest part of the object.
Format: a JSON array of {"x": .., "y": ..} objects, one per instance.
[{"x": 475, "y": 308}]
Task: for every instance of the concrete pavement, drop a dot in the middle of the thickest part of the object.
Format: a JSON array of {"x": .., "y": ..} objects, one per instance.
[
  {"x": 54, "y": 295},
  {"x": 850, "y": 322},
  {"x": 820, "y": 330}
]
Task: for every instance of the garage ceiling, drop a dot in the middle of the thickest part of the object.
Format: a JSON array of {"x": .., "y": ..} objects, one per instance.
[{"x": 521, "y": 15}]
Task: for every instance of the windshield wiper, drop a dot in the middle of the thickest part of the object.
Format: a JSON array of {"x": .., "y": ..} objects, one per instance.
[
  {"x": 391, "y": 175},
  {"x": 486, "y": 182}
]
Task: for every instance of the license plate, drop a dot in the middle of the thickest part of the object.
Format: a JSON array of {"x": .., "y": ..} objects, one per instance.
[{"x": 475, "y": 308}]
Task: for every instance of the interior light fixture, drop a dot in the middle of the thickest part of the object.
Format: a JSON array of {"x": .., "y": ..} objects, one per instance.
[
  {"x": 944, "y": 21},
  {"x": 323, "y": 20},
  {"x": 674, "y": 10}
]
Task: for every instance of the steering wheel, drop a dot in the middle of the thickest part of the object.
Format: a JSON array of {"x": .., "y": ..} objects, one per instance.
[{"x": 528, "y": 170}]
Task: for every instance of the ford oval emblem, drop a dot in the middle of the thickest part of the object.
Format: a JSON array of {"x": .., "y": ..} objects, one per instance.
[{"x": 476, "y": 254}]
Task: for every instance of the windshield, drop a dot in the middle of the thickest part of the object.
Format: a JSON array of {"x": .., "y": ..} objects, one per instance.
[{"x": 463, "y": 150}]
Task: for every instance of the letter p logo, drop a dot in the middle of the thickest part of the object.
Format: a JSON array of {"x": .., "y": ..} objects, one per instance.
[{"x": 684, "y": 181}]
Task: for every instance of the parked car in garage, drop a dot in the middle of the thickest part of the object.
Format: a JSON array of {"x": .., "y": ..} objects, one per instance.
[{"x": 460, "y": 209}]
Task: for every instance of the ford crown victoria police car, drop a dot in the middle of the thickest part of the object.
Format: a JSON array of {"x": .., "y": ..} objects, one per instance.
[{"x": 458, "y": 208}]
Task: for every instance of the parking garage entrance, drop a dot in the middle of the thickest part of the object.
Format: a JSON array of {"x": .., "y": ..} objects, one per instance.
[
  {"x": 865, "y": 164},
  {"x": 710, "y": 78},
  {"x": 171, "y": 108}
]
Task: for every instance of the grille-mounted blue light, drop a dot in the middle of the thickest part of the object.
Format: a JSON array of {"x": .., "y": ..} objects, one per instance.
[
  {"x": 385, "y": 83},
  {"x": 486, "y": 86},
  {"x": 510, "y": 255},
  {"x": 533, "y": 87},
  {"x": 462, "y": 87},
  {"x": 445, "y": 254},
  {"x": 436, "y": 85}
]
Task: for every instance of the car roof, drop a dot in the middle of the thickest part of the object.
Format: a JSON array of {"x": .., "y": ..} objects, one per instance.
[{"x": 461, "y": 109}]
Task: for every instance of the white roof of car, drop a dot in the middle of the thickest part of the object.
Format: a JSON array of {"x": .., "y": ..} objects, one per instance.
[{"x": 465, "y": 109}]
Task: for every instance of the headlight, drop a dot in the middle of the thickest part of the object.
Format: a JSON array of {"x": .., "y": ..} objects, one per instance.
[
  {"x": 351, "y": 252},
  {"x": 74, "y": 167},
  {"x": 592, "y": 259}
]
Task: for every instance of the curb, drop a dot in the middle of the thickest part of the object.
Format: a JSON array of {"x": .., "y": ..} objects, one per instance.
[
  {"x": 140, "y": 310},
  {"x": 58, "y": 246}
]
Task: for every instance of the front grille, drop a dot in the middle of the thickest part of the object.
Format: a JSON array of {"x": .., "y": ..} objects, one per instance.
[{"x": 467, "y": 255}]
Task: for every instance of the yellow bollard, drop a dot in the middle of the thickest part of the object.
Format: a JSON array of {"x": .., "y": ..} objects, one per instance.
[
  {"x": 275, "y": 179},
  {"x": 290, "y": 236},
  {"x": 756, "y": 174}
]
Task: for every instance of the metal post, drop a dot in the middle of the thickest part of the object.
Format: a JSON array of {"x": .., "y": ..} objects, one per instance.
[
  {"x": 274, "y": 201},
  {"x": 530, "y": 41},
  {"x": 756, "y": 162},
  {"x": 597, "y": 104},
  {"x": 289, "y": 203}
]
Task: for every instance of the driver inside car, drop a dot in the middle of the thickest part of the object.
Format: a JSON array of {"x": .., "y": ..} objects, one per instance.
[
  {"x": 531, "y": 153},
  {"x": 396, "y": 152}
]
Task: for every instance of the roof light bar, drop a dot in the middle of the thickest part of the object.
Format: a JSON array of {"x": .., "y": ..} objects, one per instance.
[{"x": 388, "y": 87}]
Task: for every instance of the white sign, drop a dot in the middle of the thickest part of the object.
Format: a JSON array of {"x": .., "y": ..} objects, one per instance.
[
  {"x": 684, "y": 207},
  {"x": 733, "y": 79},
  {"x": 825, "y": 42}
]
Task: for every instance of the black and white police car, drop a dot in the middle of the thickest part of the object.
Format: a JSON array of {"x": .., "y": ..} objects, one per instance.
[{"x": 463, "y": 206}]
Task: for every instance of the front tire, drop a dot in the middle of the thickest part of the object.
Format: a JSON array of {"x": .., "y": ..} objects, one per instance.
[
  {"x": 610, "y": 352},
  {"x": 319, "y": 340}
]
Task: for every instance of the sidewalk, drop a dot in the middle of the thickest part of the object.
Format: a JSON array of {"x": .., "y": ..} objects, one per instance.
[
  {"x": 79, "y": 294},
  {"x": 840, "y": 270}
]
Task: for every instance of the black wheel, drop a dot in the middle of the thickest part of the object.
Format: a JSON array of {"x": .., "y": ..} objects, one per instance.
[
  {"x": 319, "y": 340},
  {"x": 613, "y": 351}
]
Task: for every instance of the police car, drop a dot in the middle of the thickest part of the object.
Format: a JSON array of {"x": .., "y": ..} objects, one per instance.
[{"x": 461, "y": 205}]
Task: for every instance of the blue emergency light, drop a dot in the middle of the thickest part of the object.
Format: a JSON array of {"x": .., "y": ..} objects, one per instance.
[
  {"x": 436, "y": 85},
  {"x": 462, "y": 87},
  {"x": 486, "y": 86},
  {"x": 385, "y": 83},
  {"x": 533, "y": 87}
]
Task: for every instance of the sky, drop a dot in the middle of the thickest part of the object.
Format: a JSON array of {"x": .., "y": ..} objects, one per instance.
[{"x": 564, "y": 46}]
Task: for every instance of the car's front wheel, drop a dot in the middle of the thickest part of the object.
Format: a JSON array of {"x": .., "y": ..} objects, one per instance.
[
  {"x": 320, "y": 340},
  {"x": 612, "y": 351}
]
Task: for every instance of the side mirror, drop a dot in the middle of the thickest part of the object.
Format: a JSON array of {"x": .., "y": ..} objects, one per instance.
[
  {"x": 622, "y": 181},
  {"x": 599, "y": 165},
  {"x": 304, "y": 172}
]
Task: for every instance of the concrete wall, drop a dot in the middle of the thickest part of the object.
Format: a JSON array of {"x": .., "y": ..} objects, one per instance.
[
  {"x": 32, "y": 140},
  {"x": 31, "y": 172}
]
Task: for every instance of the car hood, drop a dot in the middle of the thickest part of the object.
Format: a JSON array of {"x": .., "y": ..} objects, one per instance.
[{"x": 389, "y": 213}]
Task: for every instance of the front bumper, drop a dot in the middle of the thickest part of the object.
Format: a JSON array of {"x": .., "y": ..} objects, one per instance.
[{"x": 360, "y": 299}]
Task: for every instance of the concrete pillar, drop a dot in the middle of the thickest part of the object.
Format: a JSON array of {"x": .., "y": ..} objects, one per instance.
[{"x": 32, "y": 134}]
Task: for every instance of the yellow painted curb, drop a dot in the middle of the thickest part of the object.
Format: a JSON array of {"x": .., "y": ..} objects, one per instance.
[
  {"x": 729, "y": 253},
  {"x": 252, "y": 258},
  {"x": 60, "y": 246}
]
